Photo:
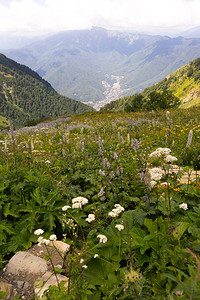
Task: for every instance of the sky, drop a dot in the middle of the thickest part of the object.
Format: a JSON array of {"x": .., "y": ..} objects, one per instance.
[{"x": 40, "y": 17}]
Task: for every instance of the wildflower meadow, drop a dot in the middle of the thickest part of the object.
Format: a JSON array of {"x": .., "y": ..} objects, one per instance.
[{"x": 110, "y": 185}]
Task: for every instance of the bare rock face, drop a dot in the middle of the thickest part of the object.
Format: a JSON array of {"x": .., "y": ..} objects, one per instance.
[
  {"x": 28, "y": 273},
  {"x": 24, "y": 262}
]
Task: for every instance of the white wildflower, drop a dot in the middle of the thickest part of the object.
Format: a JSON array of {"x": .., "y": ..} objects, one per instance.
[
  {"x": 81, "y": 200},
  {"x": 119, "y": 227},
  {"x": 53, "y": 237},
  {"x": 39, "y": 240},
  {"x": 84, "y": 266},
  {"x": 38, "y": 232},
  {"x": 112, "y": 214},
  {"x": 67, "y": 247},
  {"x": 90, "y": 218},
  {"x": 167, "y": 115},
  {"x": 156, "y": 174},
  {"x": 102, "y": 238},
  {"x": 45, "y": 241},
  {"x": 116, "y": 211},
  {"x": 66, "y": 207},
  {"x": 152, "y": 183},
  {"x": 183, "y": 206},
  {"x": 96, "y": 255},
  {"x": 81, "y": 261},
  {"x": 77, "y": 205},
  {"x": 169, "y": 158},
  {"x": 160, "y": 152}
]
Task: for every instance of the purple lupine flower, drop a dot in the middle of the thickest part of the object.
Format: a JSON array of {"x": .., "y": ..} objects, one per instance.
[
  {"x": 118, "y": 171},
  {"x": 115, "y": 156},
  {"x": 112, "y": 175},
  {"x": 136, "y": 145},
  {"x": 189, "y": 141},
  {"x": 102, "y": 173},
  {"x": 142, "y": 177},
  {"x": 108, "y": 165},
  {"x": 101, "y": 193},
  {"x": 105, "y": 161},
  {"x": 121, "y": 170},
  {"x": 82, "y": 146},
  {"x": 64, "y": 152}
]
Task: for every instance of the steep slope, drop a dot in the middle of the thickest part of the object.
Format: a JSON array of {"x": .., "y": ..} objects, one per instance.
[
  {"x": 96, "y": 66},
  {"x": 183, "y": 84},
  {"x": 24, "y": 95}
]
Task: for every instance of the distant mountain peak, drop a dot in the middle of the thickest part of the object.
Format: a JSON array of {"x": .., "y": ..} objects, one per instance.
[{"x": 76, "y": 62}]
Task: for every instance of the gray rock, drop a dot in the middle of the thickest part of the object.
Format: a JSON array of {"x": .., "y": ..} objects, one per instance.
[
  {"x": 24, "y": 262},
  {"x": 9, "y": 289},
  {"x": 50, "y": 279}
]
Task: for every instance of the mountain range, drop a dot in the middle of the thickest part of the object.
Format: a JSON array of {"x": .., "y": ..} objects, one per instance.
[
  {"x": 97, "y": 66},
  {"x": 25, "y": 96}
]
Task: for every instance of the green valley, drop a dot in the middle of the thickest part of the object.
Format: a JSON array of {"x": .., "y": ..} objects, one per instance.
[{"x": 181, "y": 86}]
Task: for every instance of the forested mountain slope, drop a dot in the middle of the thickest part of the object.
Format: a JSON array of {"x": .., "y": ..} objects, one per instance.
[
  {"x": 24, "y": 96},
  {"x": 183, "y": 86}
]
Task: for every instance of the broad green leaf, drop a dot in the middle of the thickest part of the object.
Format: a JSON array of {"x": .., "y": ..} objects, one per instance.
[
  {"x": 152, "y": 226},
  {"x": 180, "y": 228}
]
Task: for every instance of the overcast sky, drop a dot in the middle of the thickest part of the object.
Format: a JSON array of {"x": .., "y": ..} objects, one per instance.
[{"x": 38, "y": 17}]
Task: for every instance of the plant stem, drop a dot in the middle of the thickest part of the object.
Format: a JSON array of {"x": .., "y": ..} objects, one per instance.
[{"x": 52, "y": 266}]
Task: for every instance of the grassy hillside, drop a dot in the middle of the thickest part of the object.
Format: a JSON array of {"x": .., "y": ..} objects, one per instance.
[
  {"x": 25, "y": 96},
  {"x": 183, "y": 84}
]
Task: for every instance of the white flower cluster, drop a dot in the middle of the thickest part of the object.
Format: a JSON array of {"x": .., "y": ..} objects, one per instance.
[
  {"x": 78, "y": 202},
  {"x": 90, "y": 218},
  {"x": 115, "y": 212},
  {"x": 163, "y": 153},
  {"x": 156, "y": 174},
  {"x": 183, "y": 206},
  {"x": 38, "y": 231},
  {"x": 119, "y": 227},
  {"x": 46, "y": 242},
  {"x": 102, "y": 238},
  {"x": 66, "y": 207},
  {"x": 41, "y": 240},
  {"x": 53, "y": 237},
  {"x": 160, "y": 152},
  {"x": 169, "y": 158}
]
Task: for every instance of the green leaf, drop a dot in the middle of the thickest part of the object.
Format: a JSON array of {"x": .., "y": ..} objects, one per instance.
[
  {"x": 152, "y": 226},
  {"x": 180, "y": 228},
  {"x": 10, "y": 211},
  {"x": 98, "y": 271}
]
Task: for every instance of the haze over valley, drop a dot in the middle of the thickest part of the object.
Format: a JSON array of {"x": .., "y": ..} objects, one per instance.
[{"x": 97, "y": 66}]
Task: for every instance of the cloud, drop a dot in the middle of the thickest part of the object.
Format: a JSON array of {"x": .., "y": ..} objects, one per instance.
[{"x": 44, "y": 16}]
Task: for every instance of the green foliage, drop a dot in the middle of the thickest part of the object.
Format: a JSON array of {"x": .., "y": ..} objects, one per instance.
[{"x": 105, "y": 157}]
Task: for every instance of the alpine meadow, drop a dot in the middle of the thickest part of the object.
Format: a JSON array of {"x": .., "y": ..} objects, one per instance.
[{"x": 118, "y": 188}]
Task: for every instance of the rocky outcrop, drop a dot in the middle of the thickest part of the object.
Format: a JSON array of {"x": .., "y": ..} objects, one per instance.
[{"x": 28, "y": 268}]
